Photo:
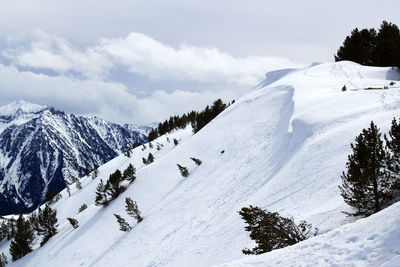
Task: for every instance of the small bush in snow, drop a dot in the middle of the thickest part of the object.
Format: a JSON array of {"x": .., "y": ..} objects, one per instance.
[
  {"x": 184, "y": 171},
  {"x": 176, "y": 142},
  {"x": 123, "y": 225},
  {"x": 271, "y": 231},
  {"x": 344, "y": 88},
  {"x": 392, "y": 83},
  {"x": 73, "y": 222},
  {"x": 197, "y": 161},
  {"x": 82, "y": 208}
]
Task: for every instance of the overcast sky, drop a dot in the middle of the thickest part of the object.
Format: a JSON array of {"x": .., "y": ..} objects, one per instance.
[{"x": 142, "y": 61}]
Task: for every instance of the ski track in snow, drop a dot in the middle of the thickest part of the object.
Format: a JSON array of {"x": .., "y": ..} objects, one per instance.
[{"x": 285, "y": 145}]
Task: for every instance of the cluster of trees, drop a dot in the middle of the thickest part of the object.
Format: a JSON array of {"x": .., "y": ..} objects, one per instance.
[
  {"x": 105, "y": 193},
  {"x": 132, "y": 210},
  {"x": 368, "y": 47},
  {"x": 42, "y": 223},
  {"x": 271, "y": 231},
  {"x": 372, "y": 179},
  {"x": 150, "y": 159},
  {"x": 197, "y": 119}
]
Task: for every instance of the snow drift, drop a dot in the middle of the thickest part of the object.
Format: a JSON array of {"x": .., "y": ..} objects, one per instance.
[{"x": 282, "y": 147}]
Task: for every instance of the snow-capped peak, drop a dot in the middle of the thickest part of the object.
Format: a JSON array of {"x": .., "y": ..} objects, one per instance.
[{"x": 20, "y": 106}]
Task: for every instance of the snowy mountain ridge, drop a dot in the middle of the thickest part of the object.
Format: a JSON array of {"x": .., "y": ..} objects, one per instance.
[
  {"x": 281, "y": 147},
  {"x": 41, "y": 148}
]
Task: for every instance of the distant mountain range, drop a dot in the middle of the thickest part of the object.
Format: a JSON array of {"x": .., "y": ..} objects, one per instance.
[{"x": 41, "y": 148}]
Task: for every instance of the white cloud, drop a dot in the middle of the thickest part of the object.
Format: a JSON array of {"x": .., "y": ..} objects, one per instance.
[
  {"x": 80, "y": 79},
  {"x": 108, "y": 100},
  {"x": 143, "y": 55}
]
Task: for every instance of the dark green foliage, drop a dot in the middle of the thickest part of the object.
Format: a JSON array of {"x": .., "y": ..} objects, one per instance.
[
  {"x": 184, "y": 171},
  {"x": 369, "y": 48},
  {"x": 49, "y": 195},
  {"x": 82, "y": 208},
  {"x": 73, "y": 222},
  {"x": 101, "y": 195},
  {"x": 128, "y": 153},
  {"x": 3, "y": 260},
  {"x": 197, "y": 161},
  {"x": 153, "y": 134},
  {"x": 111, "y": 190},
  {"x": 4, "y": 230},
  {"x": 197, "y": 119},
  {"x": 143, "y": 147},
  {"x": 176, "y": 142},
  {"x": 23, "y": 237},
  {"x": 207, "y": 115},
  {"x": 46, "y": 224},
  {"x": 129, "y": 173},
  {"x": 365, "y": 185},
  {"x": 144, "y": 161},
  {"x": 150, "y": 145},
  {"x": 344, "y": 88},
  {"x": 123, "y": 225},
  {"x": 113, "y": 185},
  {"x": 393, "y": 159},
  {"x": 150, "y": 158},
  {"x": 132, "y": 209},
  {"x": 271, "y": 231},
  {"x": 359, "y": 47},
  {"x": 387, "y": 50},
  {"x": 87, "y": 172},
  {"x": 11, "y": 224}
]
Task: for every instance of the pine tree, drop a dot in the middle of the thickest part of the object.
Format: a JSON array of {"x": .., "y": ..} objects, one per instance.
[
  {"x": 3, "y": 230},
  {"x": 132, "y": 209},
  {"x": 101, "y": 195},
  {"x": 82, "y": 208},
  {"x": 73, "y": 222},
  {"x": 393, "y": 158},
  {"x": 176, "y": 142},
  {"x": 184, "y": 171},
  {"x": 3, "y": 260},
  {"x": 123, "y": 225},
  {"x": 144, "y": 161},
  {"x": 113, "y": 186},
  {"x": 271, "y": 231},
  {"x": 365, "y": 185},
  {"x": 197, "y": 161},
  {"x": 150, "y": 158},
  {"x": 387, "y": 50},
  {"x": 46, "y": 224},
  {"x": 129, "y": 173},
  {"x": 23, "y": 237}
]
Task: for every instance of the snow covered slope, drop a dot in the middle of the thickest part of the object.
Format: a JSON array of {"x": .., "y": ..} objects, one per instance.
[
  {"x": 41, "y": 148},
  {"x": 282, "y": 147}
]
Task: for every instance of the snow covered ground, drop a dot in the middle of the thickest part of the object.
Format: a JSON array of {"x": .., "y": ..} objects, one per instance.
[{"x": 282, "y": 147}]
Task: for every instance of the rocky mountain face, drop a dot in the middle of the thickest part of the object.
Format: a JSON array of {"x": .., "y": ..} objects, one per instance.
[{"x": 42, "y": 148}]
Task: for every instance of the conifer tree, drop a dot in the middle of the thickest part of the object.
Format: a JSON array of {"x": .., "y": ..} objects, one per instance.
[
  {"x": 73, "y": 222},
  {"x": 366, "y": 183},
  {"x": 101, "y": 195},
  {"x": 197, "y": 161},
  {"x": 46, "y": 224},
  {"x": 129, "y": 173},
  {"x": 393, "y": 158},
  {"x": 150, "y": 158},
  {"x": 23, "y": 237},
  {"x": 132, "y": 209},
  {"x": 184, "y": 171},
  {"x": 271, "y": 231},
  {"x": 82, "y": 208},
  {"x": 144, "y": 161},
  {"x": 3, "y": 260},
  {"x": 113, "y": 186},
  {"x": 123, "y": 225}
]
